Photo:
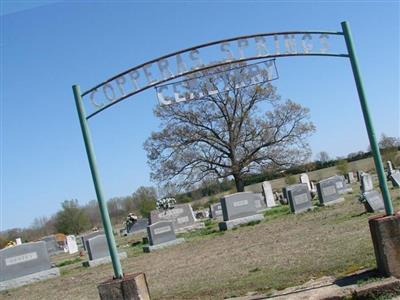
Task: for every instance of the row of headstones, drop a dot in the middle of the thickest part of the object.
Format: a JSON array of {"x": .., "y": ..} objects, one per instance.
[
  {"x": 54, "y": 248},
  {"x": 165, "y": 224}
]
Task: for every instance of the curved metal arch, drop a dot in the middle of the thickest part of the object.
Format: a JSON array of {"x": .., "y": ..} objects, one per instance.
[
  {"x": 206, "y": 45},
  {"x": 195, "y": 71}
]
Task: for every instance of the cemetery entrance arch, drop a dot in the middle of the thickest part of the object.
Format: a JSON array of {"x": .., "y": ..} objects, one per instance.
[{"x": 189, "y": 62}]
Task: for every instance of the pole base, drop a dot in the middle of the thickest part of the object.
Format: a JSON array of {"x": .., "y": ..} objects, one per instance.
[
  {"x": 385, "y": 233},
  {"x": 131, "y": 287}
]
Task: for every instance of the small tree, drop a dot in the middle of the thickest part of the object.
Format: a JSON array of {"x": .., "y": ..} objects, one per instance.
[
  {"x": 145, "y": 197},
  {"x": 342, "y": 166},
  {"x": 290, "y": 179},
  {"x": 389, "y": 147},
  {"x": 72, "y": 218}
]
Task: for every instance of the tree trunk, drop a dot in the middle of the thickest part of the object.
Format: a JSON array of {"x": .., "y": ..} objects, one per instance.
[{"x": 239, "y": 183}]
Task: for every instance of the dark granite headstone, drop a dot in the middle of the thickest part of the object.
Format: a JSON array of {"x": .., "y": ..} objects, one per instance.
[
  {"x": 97, "y": 247},
  {"x": 161, "y": 232},
  {"x": 24, "y": 259},
  {"x": 299, "y": 197},
  {"x": 327, "y": 191},
  {"x": 373, "y": 201},
  {"x": 140, "y": 225},
  {"x": 52, "y": 245},
  {"x": 395, "y": 178},
  {"x": 216, "y": 211},
  {"x": 240, "y": 205},
  {"x": 84, "y": 238}
]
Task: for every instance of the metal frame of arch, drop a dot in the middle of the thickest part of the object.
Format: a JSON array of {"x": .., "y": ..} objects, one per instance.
[{"x": 118, "y": 83}]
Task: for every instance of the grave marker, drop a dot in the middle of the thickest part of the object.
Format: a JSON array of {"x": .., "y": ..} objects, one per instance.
[
  {"x": 181, "y": 215},
  {"x": 373, "y": 201},
  {"x": 395, "y": 178},
  {"x": 366, "y": 183},
  {"x": 327, "y": 192},
  {"x": 85, "y": 237},
  {"x": 305, "y": 179},
  {"x": 216, "y": 211},
  {"x": 98, "y": 252},
  {"x": 24, "y": 264},
  {"x": 71, "y": 244},
  {"x": 160, "y": 235},
  {"x": 268, "y": 194},
  {"x": 52, "y": 245},
  {"x": 240, "y": 208},
  {"x": 299, "y": 198}
]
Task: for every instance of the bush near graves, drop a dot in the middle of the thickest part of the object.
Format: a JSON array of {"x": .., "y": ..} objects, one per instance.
[
  {"x": 72, "y": 218},
  {"x": 291, "y": 179},
  {"x": 342, "y": 166}
]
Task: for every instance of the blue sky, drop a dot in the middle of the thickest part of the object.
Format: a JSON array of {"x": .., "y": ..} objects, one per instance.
[{"x": 47, "y": 46}]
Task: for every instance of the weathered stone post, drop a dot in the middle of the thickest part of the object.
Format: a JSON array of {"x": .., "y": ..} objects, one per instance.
[
  {"x": 385, "y": 233},
  {"x": 130, "y": 287}
]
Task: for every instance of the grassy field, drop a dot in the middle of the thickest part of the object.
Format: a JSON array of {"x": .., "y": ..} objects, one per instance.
[{"x": 281, "y": 251}]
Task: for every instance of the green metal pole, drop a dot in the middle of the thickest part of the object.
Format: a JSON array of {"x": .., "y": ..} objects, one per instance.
[
  {"x": 105, "y": 217},
  {"x": 367, "y": 118}
]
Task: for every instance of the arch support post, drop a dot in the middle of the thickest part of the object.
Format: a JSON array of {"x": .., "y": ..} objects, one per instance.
[
  {"x": 105, "y": 217},
  {"x": 368, "y": 120}
]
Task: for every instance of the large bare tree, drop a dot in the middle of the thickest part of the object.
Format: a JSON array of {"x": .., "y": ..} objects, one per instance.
[{"x": 228, "y": 134}]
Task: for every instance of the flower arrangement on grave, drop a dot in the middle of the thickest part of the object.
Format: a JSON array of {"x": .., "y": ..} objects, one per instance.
[
  {"x": 130, "y": 221},
  {"x": 165, "y": 203}
]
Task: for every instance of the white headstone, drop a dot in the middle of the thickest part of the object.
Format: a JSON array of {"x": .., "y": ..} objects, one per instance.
[
  {"x": 389, "y": 167},
  {"x": 305, "y": 179},
  {"x": 18, "y": 241},
  {"x": 72, "y": 245},
  {"x": 268, "y": 195}
]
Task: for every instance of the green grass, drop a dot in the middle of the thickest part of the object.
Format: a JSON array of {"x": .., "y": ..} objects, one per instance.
[{"x": 69, "y": 262}]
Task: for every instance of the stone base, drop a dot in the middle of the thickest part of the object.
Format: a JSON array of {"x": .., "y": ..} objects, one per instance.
[
  {"x": 333, "y": 202},
  {"x": 28, "y": 279},
  {"x": 131, "y": 287},
  {"x": 103, "y": 260},
  {"x": 385, "y": 233},
  {"x": 195, "y": 226},
  {"x": 148, "y": 248},
  {"x": 226, "y": 225}
]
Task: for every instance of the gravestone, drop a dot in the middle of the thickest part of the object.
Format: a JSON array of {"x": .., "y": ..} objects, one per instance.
[
  {"x": 139, "y": 226},
  {"x": 389, "y": 167},
  {"x": 71, "y": 244},
  {"x": 299, "y": 198},
  {"x": 341, "y": 185},
  {"x": 181, "y": 215},
  {"x": 240, "y": 208},
  {"x": 85, "y": 237},
  {"x": 52, "y": 245},
  {"x": 216, "y": 211},
  {"x": 359, "y": 173},
  {"x": 268, "y": 194},
  {"x": 97, "y": 249},
  {"x": 305, "y": 179},
  {"x": 160, "y": 235},
  {"x": 327, "y": 192},
  {"x": 350, "y": 178},
  {"x": 366, "y": 183},
  {"x": 24, "y": 264},
  {"x": 373, "y": 201},
  {"x": 395, "y": 179}
]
